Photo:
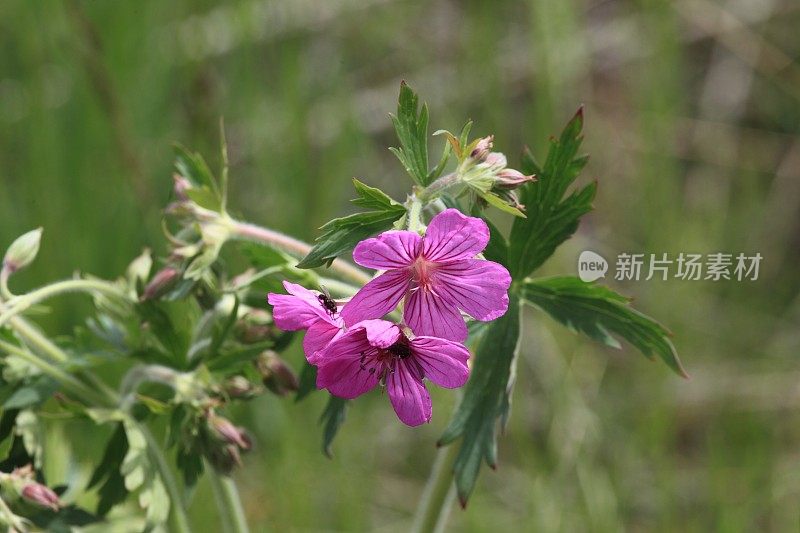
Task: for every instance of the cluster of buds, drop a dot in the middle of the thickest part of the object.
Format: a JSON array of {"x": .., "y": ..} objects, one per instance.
[
  {"x": 203, "y": 215},
  {"x": 487, "y": 174},
  {"x": 227, "y": 442},
  {"x": 22, "y": 482}
]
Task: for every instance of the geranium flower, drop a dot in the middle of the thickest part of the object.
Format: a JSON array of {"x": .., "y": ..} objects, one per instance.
[
  {"x": 436, "y": 275},
  {"x": 303, "y": 309},
  {"x": 376, "y": 352}
]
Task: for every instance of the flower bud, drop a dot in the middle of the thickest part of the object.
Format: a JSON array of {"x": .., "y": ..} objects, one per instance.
[
  {"x": 224, "y": 430},
  {"x": 508, "y": 178},
  {"x": 164, "y": 280},
  {"x": 482, "y": 148},
  {"x": 239, "y": 387},
  {"x": 38, "y": 494},
  {"x": 180, "y": 187},
  {"x": 22, "y": 251},
  {"x": 276, "y": 374}
]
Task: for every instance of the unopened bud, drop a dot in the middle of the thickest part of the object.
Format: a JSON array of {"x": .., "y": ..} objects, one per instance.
[
  {"x": 40, "y": 495},
  {"x": 225, "y": 431},
  {"x": 509, "y": 178},
  {"x": 180, "y": 187},
  {"x": 276, "y": 374},
  {"x": 22, "y": 251},
  {"x": 482, "y": 148},
  {"x": 225, "y": 458},
  {"x": 162, "y": 282},
  {"x": 239, "y": 387}
]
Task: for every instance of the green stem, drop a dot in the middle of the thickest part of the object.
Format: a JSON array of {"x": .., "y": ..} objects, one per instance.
[
  {"x": 13, "y": 521},
  {"x": 439, "y": 186},
  {"x": 21, "y": 303},
  {"x": 295, "y": 248},
  {"x": 101, "y": 398},
  {"x": 414, "y": 206},
  {"x": 228, "y": 502},
  {"x": 179, "y": 521},
  {"x": 69, "y": 382},
  {"x": 439, "y": 493}
]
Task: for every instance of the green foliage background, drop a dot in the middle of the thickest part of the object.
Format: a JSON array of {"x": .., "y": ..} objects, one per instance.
[{"x": 693, "y": 123}]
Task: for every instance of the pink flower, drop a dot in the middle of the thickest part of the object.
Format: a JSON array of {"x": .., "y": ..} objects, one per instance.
[
  {"x": 303, "y": 309},
  {"x": 376, "y": 352},
  {"x": 436, "y": 275}
]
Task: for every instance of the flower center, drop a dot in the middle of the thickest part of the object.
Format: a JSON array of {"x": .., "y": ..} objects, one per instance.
[
  {"x": 422, "y": 272},
  {"x": 383, "y": 362}
]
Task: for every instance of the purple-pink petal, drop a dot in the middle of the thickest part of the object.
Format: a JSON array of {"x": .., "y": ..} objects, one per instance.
[
  {"x": 428, "y": 314},
  {"x": 390, "y": 250},
  {"x": 409, "y": 397},
  {"x": 318, "y": 336},
  {"x": 377, "y": 298},
  {"x": 443, "y": 362},
  {"x": 339, "y": 366},
  {"x": 479, "y": 288},
  {"x": 452, "y": 236},
  {"x": 380, "y": 333},
  {"x": 297, "y": 310}
]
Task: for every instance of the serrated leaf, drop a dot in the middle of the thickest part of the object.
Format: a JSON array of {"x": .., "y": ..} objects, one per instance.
[
  {"x": 486, "y": 402},
  {"x": 372, "y": 197},
  {"x": 332, "y": 419},
  {"x": 341, "y": 235},
  {"x": 599, "y": 312},
  {"x": 411, "y": 125},
  {"x": 551, "y": 218}
]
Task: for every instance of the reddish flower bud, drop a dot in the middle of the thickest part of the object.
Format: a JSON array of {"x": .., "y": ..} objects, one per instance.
[
  {"x": 508, "y": 178},
  {"x": 40, "y": 495},
  {"x": 224, "y": 430},
  {"x": 482, "y": 148},
  {"x": 180, "y": 187},
  {"x": 276, "y": 374},
  {"x": 162, "y": 282}
]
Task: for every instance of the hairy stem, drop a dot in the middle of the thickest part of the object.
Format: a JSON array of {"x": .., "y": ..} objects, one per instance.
[
  {"x": 432, "y": 191},
  {"x": 12, "y": 520},
  {"x": 178, "y": 519},
  {"x": 439, "y": 493},
  {"x": 228, "y": 502},
  {"x": 99, "y": 398},
  {"x": 73, "y": 385},
  {"x": 295, "y": 248},
  {"x": 19, "y": 304}
]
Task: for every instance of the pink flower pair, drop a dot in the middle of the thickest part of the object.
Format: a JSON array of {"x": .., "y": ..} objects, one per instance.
[{"x": 435, "y": 276}]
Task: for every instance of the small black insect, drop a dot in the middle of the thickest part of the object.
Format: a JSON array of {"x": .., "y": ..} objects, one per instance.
[
  {"x": 400, "y": 349},
  {"x": 327, "y": 302}
]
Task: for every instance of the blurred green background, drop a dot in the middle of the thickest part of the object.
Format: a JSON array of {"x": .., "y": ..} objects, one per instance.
[{"x": 693, "y": 123}]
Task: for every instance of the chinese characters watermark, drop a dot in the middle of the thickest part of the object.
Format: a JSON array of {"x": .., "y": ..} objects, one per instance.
[{"x": 684, "y": 266}]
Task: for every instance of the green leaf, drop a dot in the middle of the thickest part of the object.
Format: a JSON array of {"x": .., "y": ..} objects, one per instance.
[
  {"x": 193, "y": 167},
  {"x": 486, "y": 403},
  {"x": 551, "y": 217},
  {"x": 497, "y": 249},
  {"x": 332, "y": 419},
  {"x": 495, "y": 201},
  {"x": 598, "y": 312},
  {"x": 112, "y": 491},
  {"x": 411, "y": 126},
  {"x": 341, "y": 235},
  {"x": 308, "y": 381},
  {"x": 32, "y": 394},
  {"x": 372, "y": 197}
]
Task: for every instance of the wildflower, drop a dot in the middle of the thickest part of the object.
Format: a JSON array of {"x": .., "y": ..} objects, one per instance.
[
  {"x": 41, "y": 495},
  {"x": 436, "y": 275},
  {"x": 303, "y": 309},
  {"x": 376, "y": 352}
]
